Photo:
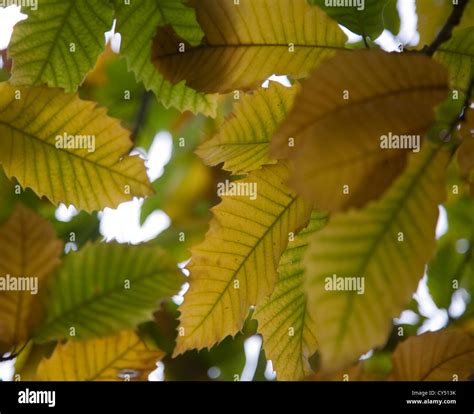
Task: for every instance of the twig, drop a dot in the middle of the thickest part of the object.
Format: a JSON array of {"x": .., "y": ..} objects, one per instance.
[
  {"x": 141, "y": 115},
  {"x": 447, "y": 31}
]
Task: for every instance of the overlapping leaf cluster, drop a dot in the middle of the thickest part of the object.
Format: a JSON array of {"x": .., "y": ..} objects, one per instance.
[{"x": 331, "y": 201}]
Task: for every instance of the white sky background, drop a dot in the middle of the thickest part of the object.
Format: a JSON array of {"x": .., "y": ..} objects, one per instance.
[{"x": 123, "y": 225}]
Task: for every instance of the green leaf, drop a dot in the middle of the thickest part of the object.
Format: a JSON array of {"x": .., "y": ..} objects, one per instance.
[
  {"x": 451, "y": 262},
  {"x": 243, "y": 142},
  {"x": 288, "y": 330},
  {"x": 458, "y": 56},
  {"x": 59, "y": 43},
  {"x": 391, "y": 17},
  {"x": 137, "y": 22},
  {"x": 382, "y": 250},
  {"x": 106, "y": 288},
  {"x": 364, "y": 17}
]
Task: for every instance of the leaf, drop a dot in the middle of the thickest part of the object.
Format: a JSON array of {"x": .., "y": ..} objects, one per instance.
[
  {"x": 465, "y": 154},
  {"x": 243, "y": 142},
  {"x": 90, "y": 178},
  {"x": 433, "y": 15},
  {"x": 445, "y": 355},
  {"x": 246, "y": 43},
  {"x": 59, "y": 43},
  {"x": 236, "y": 265},
  {"x": 29, "y": 252},
  {"x": 336, "y": 144},
  {"x": 458, "y": 56},
  {"x": 365, "y": 20},
  {"x": 452, "y": 260},
  {"x": 106, "y": 288},
  {"x": 289, "y": 333},
  {"x": 157, "y": 117},
  {"x": 137, "y": 23},
  {"x": 106, "y": 359},
  {"x": 391, "y": 17},
  {"x": 363, "y": 247}
]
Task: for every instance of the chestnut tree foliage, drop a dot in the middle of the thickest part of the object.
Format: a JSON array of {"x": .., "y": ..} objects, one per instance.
[{"x": 305, "y": 213}]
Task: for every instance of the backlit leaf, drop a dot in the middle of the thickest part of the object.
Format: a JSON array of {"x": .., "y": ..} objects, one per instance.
[
  {"x": 291, "y": 39},
  {"x": 124, "y": 357},
  {"x": 243, "y": 142},
  {"x": 29, "y": 252},
  {"x": 59, "y": 43},
  {"x": 288, "y": 330},
  {"x": 106, "y": 288},
  {"x": 381, "y": 250},
  {"x": 90, "y": 168},
  {"x": 236, "y": 265},
  {"x": 340, "y": 132},
  {"x": 435, "y": 356},
  {"x": 137, "y": 22}
]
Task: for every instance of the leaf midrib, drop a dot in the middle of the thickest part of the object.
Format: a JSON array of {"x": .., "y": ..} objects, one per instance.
[
  {"x": 203, "y": 48},
  {"x": 73, "y": 155},
  {"x": 76, "y": 308},
  {"x": 244, "y": 260},
  {"x": 375, "y": 244}
]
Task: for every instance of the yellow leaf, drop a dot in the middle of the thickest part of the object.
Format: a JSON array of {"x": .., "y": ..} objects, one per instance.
[
  {"x": 288, "y": 330},
  {"x": 243, "y": 141},
  {"x": 342, "y": 131},
  {"x": 445, "y": 355},
  {"x": 29, "y": 252},
  {"x": 67, "y": 149},
  {"x": 364, "y": 266},
  {"x": 118, "y": 358},
  {"x": 246, "y": 43},
  {"x": 236, "y": 265}
]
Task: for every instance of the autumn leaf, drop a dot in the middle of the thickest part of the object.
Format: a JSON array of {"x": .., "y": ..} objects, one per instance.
[
  {"x": 446, "y": 355},
  {"x": 67, "y": 149},
  {"x": 243, "y": 142},
  {"x": 124, "y": 357},
  {"x": 339, "y": 134},
  {"x": 29, "y": 252},
  {"x": 137, "y": 23},
  {"x": 288, "y": 330},
  {"x": 106, "y": 288},
  {"x": 235, "y": 57},
  {"x": 382, "y": 248},
  {"x": 59, "y": 42},
  {"x": 236, "y": 265}
]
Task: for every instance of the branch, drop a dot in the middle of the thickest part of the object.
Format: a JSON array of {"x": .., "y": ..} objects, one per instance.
[{"x": 447, "y": 31}]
